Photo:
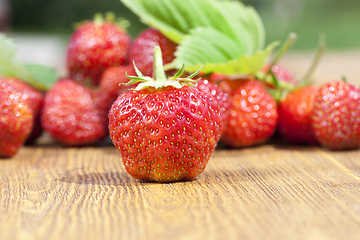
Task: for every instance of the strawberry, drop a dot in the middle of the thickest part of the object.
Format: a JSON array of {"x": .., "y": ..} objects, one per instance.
[
  {"x": 221, "y": 97},
  {"x": 19, "y": 103},
  {"x": 335, "y": 118},
  {"x": 253, "y": 114},
  {"x": 165, "y": 129},
  {"x": 141, "y": 51},
  {"x": 282, "y": 74},
  {"x": 295, "y": 115},
  {"x": 95, "y": 46},
  {"x": 113, "y": 76},
  {"x": 75, "y": 115}
]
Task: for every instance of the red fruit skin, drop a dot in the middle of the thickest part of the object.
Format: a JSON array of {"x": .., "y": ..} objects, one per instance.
[
  {"x": 335, "y": 118},
  {"x": 18, "y": 104},
  {"x": 113, "y": 76},
  {"x": 75, "y": 115},
  {"x": 295, "y": 115},
  {"x": 217, "y": 77},
  {"x": 222, "y": 99},
  {"x": 230, "y": 86},
  {"x": 93, "y": 48},
  {"x": 141, "y": 51},
  {"x": 253, "y": 115},
  {"x": 165, "y": 135},
  {"x": 37, "y": 129}
]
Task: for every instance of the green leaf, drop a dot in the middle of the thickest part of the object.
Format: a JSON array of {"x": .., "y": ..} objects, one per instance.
[
  {"x": 224, "y": 36},
  {"x": 148, "y": 11},
  {"x": 11, "y": 66},
  {"x": 10, "y": 63},
  {"x": 45, "y": 76},
  {"x": 243, "y": 65},
  {"x": 217, "y": 48},
  {"x": 176, "y": 18}
]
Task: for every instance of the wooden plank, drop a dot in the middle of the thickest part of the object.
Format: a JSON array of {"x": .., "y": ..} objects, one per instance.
[{"x": 272, "y": 191}]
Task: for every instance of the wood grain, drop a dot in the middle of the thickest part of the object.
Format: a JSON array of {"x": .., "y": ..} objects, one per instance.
[{"x": 274, "y": 191}]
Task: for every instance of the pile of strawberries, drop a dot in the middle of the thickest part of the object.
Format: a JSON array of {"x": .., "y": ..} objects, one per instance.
[{"x": 166, "y": 128}]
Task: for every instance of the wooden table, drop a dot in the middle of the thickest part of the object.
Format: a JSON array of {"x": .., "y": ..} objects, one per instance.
[{"x": 273, "y": 191}]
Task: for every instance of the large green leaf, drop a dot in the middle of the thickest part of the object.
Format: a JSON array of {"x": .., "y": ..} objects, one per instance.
[
  {"x": 176, "y": 18},
  {"x": 38, "y": 77},
  {"x": 245, "y": 64},
  {"x": 217, "y": 47},
  {"x": 224, "y": 36}
]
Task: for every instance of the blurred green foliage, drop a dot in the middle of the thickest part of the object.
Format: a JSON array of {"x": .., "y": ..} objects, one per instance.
[
  {"x": 338, "y": 19},
  {"x": 59, "y": 16}
]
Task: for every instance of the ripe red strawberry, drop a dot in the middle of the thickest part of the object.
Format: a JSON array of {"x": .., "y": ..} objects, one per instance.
[
  {"x": 113, "y": 76},
  {"x": 75, "y": 115},
  {"x": 165, "y": 133},
  {"x": 253, "y": 114},
  {"x": 18, "y": 105},
  {"x": 335, "y": 118},
  {"x": 141, "y": 51},
  {"x": 95, "y": 46},
  {"x": 295, "y": 115},
  {"x": 222, "y": 99}
]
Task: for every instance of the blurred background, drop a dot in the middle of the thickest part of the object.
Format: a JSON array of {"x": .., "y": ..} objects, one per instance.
[
  {"x": 338, "y": 19},
  {"x": 52, "y": 20}
]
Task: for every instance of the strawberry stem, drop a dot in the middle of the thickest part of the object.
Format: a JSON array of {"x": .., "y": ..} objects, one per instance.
[
  {"x": 316, "y": 60},
  {"x": 158, "y": 73},
  {"x": 284, "y": 48}
]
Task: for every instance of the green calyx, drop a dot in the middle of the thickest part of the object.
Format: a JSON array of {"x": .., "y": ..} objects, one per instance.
[
  {"x": 99, "y": 19},
  {"x": 159, "y": 79},
  {"x": 110, "y": 17}
]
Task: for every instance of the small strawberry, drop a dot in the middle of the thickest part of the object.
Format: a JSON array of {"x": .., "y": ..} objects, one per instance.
[
  {"x": 295, "y": 115},
  {"x": 113, "y": 76},
  {"x": 75, "y": 115},
  {"x": 95, "y": 46},
  {"x": 335, "y": 118},
  {"x": 141, "y": 50},
  {"x": 253, "y": 114},
  {"x": 222, "y": 99},
  {"x": 285, "y": 77},
  {"x": 19, "y": 103},
  {"x": 165, "y": 129}
]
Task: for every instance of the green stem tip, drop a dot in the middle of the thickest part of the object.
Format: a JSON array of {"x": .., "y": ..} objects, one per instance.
[
  {"x": 284, "y": 48},
  {"x": 158, "y": 72},
  {"x": 318, "y": 55}
]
